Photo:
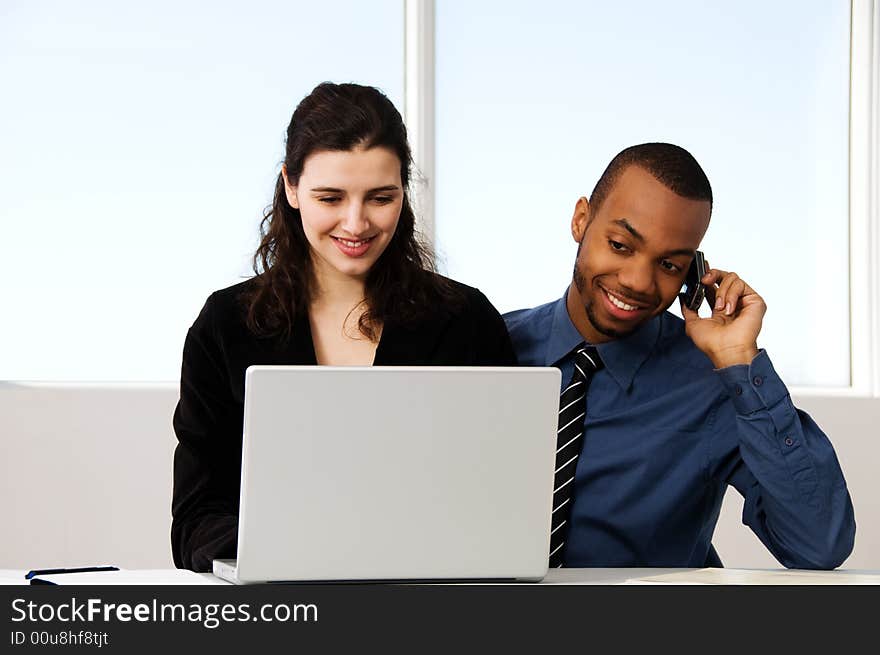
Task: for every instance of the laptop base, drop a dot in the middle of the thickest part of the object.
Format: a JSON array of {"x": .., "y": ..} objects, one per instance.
[{"x": 227, "y": 569}]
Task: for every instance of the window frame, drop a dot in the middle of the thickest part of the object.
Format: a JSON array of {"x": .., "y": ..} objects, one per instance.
[{"x": 864, "y": 203}]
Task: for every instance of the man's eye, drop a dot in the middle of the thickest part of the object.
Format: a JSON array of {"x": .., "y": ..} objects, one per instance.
[
  {"x": 616, "y": 245},
  {"x": 669, "y": 266}
]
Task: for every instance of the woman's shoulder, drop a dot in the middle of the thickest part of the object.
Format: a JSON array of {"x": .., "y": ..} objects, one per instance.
[
  {"x": 233, "y": 296},
  {"x": 227, "y": 306},
  {"x": 475, "y": 330},
  {"x": 464, "y": 299},
  {"x": 464, "y": 290},
  {"x": 226, "y": 310}
]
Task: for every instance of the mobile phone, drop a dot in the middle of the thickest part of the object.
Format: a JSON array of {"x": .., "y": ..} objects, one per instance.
[{"x": 693, "y": 292}]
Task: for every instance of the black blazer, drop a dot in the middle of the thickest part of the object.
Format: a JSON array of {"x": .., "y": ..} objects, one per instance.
[{"x": 209, "y": 416}]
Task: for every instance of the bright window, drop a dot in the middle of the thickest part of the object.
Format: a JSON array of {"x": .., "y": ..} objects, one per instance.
[
  {"x": 140, "y": 143},
  {"x": 533, "y": 100}
]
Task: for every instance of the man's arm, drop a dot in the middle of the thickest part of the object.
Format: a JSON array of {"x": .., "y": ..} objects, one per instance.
[{"x": 796, "y": 499}]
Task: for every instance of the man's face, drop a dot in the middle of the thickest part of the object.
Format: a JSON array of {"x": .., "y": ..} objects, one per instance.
[{"x": 633, "y": 255}]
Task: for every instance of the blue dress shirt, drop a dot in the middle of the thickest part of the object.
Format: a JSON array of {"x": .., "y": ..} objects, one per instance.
[{"x": 665, "y": 433}]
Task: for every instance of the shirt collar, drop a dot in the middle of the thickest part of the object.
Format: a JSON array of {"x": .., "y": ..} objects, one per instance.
[{"x": 622, "y": 357}]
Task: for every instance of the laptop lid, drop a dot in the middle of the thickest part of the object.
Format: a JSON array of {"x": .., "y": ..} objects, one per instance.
[{"x": 388, "y": 473}]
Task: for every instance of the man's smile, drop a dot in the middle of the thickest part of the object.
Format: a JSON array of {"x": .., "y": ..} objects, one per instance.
[{"x": 623, "y": 307}]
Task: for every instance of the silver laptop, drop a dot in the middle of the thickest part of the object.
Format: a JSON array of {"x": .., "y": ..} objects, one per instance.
[{"x": 395, "y": 473}]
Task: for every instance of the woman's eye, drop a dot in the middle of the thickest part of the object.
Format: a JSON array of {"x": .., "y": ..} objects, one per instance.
[
  {"x": 328, "y": 199},
  {"x": 382, "y": 200}
]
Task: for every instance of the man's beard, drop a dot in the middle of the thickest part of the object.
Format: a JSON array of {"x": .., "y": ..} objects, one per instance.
[{"x": 580, "y": 284}]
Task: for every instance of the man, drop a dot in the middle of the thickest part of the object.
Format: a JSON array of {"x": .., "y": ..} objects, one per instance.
[{"x": 675, "y": 410}]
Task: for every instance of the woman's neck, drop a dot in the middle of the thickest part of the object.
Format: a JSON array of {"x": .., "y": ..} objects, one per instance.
[
  {"x": 334, "y": 315},
  {"x": 334, "y": 288}
]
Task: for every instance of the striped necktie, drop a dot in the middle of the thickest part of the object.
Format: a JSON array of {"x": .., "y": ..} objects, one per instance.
[{"x": 569, "y": 438}]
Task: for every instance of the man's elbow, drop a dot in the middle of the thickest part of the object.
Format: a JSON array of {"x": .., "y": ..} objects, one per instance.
[{"x": 832, "y": 552}]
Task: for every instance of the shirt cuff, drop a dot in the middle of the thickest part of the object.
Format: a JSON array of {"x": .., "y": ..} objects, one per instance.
[{"x": 753, "y": 386}]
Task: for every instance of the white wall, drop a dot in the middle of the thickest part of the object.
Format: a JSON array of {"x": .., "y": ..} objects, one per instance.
[{"x": 90, "y": 481}]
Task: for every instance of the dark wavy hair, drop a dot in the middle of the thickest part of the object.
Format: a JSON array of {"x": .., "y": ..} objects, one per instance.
[{"x": 402, "y": 285}]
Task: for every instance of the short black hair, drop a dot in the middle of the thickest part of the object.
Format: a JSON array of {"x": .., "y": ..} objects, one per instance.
[{"x": 671, "y": 165}]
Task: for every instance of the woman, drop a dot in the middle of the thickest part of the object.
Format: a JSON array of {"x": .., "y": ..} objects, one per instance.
[{"x": 341, "y": 279}]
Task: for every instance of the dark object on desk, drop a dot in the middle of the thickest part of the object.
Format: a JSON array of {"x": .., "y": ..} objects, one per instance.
[{"x": 86, "y": 569}]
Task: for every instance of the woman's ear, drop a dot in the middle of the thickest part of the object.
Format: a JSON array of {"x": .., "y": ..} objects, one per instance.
[
  {"x": 580, "y": 219},
  {"x": 289, "y": 191}
]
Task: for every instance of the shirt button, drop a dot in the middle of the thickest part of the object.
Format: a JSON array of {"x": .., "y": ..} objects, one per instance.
[
  {"x": 738, "y": 390},
  {"x": 789, "y": 441},
  {"x": 758, "y": 380}
]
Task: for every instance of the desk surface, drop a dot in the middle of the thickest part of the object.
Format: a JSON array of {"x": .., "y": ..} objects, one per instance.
[
  {"x": 577, "y": 577},
  {"x": 713, "y": 576}
]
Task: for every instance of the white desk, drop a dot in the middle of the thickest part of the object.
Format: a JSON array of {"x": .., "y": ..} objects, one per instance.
[
  {"x": 590, "y": 577},
  {"x": 711, "y": 576}
]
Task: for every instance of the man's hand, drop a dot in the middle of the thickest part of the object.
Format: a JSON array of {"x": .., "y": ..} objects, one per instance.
[{"x": 730, "y": 335}]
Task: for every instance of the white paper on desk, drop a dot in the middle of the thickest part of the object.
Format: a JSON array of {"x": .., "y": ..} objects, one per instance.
[
  {"x": 717, "y": 576},
  {"x": 128, "y": 577}
]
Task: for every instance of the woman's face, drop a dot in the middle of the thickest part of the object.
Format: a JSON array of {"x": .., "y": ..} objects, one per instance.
[{"x": 350, "y": 203}]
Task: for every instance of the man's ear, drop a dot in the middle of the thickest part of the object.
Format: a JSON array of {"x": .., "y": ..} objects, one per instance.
[
  {"x": 580, "y": 219},
  {"x": 289, "y": 191}
]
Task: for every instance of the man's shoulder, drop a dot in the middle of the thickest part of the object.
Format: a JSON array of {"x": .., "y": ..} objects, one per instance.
[
  {"x": 672, "y": 328},
  {"x": 675, "y": 346},
  {"x": 529, "y": 331},
  {"x": 531, "y": 319}
]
